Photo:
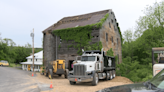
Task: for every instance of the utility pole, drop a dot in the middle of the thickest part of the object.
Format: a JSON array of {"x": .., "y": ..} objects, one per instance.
[
  {"x": 32, "y": 35},
  {"x": 33, "y": 50}
]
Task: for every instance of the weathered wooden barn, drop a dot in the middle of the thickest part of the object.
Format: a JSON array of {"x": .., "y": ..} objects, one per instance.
[{"x": 107, "y": 32}]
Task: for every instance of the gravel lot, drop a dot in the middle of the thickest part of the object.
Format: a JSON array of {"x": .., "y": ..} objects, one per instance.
[{"x": 60, "y": 84}]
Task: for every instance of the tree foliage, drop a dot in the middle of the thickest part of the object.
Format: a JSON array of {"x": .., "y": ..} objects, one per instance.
[
  {"x": 14, "y": 54},
  {"x": 137, "y": 47}
]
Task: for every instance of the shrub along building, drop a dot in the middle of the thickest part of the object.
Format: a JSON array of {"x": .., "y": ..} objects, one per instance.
[{"x": 66, "y": 38}]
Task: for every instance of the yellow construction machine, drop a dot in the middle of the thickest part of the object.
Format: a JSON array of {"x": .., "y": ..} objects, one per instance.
[{"x": 56, "y": 67}]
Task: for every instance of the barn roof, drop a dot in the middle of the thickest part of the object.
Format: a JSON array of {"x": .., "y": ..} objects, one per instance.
[{"x": 79, "y": 20}]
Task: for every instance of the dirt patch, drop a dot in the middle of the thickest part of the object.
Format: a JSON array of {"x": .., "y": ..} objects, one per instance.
[{"x": 60, "y": 84}]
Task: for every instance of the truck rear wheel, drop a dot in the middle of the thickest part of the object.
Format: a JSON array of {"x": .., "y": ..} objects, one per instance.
[
  {"x": 72, "y": 83},
  {"x": 114, "y": 73},
  {"x": 110, "y": 75},
  {"x": 107, "y": 75},
  {"x": 95, "y": 79},
  {"x": 50, "y": 74}
]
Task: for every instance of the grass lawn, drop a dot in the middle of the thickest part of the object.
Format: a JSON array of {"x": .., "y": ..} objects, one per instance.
[{"x": 13, "y": 65}]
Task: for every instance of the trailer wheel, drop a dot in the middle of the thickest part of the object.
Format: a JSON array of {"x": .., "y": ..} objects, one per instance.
[
  {"x": 114, "y": 73},
  {"x": 72, "y": 83},
  {"x": 66, "y": 73},
  {"x": 50, "y": 74},
  {"x": 95, "y": 79},
  {"x": 110, "y": 75}
]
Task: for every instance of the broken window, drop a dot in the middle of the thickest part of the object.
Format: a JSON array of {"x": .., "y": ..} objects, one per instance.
[
  {"x": 106, "y": 36},
  {"x": 109, "y": 25},
  {"x": 97, "y": 36}
]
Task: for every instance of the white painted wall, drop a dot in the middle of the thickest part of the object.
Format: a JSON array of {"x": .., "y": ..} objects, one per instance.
[{"x": 36, "y": 68}]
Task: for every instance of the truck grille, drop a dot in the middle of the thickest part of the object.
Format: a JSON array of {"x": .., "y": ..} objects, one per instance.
[{"x": 79, "y": 70}]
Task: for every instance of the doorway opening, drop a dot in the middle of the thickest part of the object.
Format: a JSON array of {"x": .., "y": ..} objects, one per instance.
[{"x": 70, "y": 65}]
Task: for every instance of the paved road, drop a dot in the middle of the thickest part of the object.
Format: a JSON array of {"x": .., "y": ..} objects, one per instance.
[{"x": 16, "y": 80}]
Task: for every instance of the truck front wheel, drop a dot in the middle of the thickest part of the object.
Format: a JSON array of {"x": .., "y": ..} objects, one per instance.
[
  {"x": 95, "y": 79},
  {"x": 50, "y": 74},
  {"x": 66, "y": 73},
  {"x": 72, "y": 83}
]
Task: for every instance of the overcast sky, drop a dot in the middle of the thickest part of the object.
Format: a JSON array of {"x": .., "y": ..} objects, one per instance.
[{"x": 19, "y": 17}]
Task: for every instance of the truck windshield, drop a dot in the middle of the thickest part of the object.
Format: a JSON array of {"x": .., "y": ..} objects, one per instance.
[
  {"x": 88, "y": 58},
  {"x": 158, "y": 80}
]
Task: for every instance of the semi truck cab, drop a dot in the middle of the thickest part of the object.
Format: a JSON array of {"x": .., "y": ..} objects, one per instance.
[{"x": 90, "y": 68}]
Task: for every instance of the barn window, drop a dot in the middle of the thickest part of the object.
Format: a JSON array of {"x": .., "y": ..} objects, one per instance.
[
  {"x": 88, "y": 36},
  {"x": 112, "y": 20},
  {"x": 114, "y": 28},
  {"x": 31, "y": 59},
  {"x": 60, "y": 39},
  {"x": 106, "y": 36},
  {"x": 112, "y": 39},
  {"x": 109, "y": 25},
  {"x": 36, "y": 59}
]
